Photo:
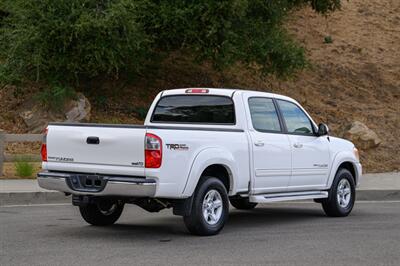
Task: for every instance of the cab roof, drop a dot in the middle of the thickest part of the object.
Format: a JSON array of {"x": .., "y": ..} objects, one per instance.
[{"x": 222, "y": 92}]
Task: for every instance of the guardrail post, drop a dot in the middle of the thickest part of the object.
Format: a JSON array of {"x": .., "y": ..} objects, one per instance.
[{"x": 2, "y": 148}]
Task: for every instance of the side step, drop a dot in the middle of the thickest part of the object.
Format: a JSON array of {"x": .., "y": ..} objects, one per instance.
[{"x": 288, "y": 196}]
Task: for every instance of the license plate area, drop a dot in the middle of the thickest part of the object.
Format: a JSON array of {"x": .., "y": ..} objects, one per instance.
[{"x": 87, "y": 183}]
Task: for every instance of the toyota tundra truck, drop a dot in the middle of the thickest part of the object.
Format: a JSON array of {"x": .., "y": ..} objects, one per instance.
[{"x": 199, "y": 150}]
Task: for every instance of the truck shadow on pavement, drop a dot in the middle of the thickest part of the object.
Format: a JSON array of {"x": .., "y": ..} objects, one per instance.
[{"x": 166, "y": 225}]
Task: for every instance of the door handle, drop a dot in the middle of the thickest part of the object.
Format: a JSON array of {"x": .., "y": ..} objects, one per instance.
[
  {"x": 298, "y": 145},
  {"x": 92, "y": 140},
  {"x": 259, "y": 143}
]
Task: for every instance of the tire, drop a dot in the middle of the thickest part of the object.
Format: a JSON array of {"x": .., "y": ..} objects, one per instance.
[
  {"x": 102, "y": 213},
  {"x": 209, "y": 194},
  {"x": 338, "y": 203},
  {"x": 242, "y": 203}
]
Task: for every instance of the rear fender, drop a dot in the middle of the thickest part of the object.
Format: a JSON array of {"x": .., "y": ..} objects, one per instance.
[{"x": 205, "y": 158}]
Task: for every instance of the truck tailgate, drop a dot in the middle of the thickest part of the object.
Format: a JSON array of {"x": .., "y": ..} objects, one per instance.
[{"x": 103, "y": 149}]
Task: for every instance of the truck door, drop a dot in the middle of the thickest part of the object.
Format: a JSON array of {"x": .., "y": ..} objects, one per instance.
[
  {"x": 270, "y": 148},
  {"x": 310, "y": 153}
]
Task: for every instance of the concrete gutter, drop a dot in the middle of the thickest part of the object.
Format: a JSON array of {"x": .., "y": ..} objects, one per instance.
[
  {"x": 373, "y": 187},
  {"x": 27, "y": 191},
  {"x": 28, "y": 198},
  {"x": 382, "y": 186}
]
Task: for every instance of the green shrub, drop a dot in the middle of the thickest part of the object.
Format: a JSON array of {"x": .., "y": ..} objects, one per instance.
[
  {"x": 64, "y": 39},
  {"x": 23, "y": 169},
  {"x": 55, "y": 97},
  {"x": 69, "y": 40},
  {"x": 325, "y": 6},
  {"x": 328, "y": 39},
  {"x": 141, "y": 112}
]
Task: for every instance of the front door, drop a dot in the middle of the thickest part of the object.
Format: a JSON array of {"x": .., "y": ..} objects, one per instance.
[
  {"x": 271, "y": 151},
  {"x": 310, "y": 153}
]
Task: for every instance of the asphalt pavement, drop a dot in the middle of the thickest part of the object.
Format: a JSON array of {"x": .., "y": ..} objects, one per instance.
[
  {"x": 275, "y": 234},
  {"x": 377, "y": 186}
]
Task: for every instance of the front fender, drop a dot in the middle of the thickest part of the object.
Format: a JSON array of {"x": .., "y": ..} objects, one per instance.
[
  {"x": 205, "y": 158},
  {"x": 341, "y": 157}
]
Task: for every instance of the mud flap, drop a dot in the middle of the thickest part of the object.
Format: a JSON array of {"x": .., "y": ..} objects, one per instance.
[{"x": 183, "y": 207}]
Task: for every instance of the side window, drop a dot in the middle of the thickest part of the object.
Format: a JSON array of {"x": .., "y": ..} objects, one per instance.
[
  {"x": 296, "y": 120},
  {"x": 263, "y": 114}
]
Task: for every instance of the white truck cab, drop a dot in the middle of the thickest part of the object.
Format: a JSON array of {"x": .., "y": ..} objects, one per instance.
[{"x": 198, "y": 150}]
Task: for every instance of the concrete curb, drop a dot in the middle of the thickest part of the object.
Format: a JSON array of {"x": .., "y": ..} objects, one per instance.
[
  {"x": 27, "y": 198},
  {"x": 378, "y": 195}
]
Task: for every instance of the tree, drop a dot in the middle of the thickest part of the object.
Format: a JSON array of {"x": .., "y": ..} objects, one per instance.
[{"x": 65, "y": 40}]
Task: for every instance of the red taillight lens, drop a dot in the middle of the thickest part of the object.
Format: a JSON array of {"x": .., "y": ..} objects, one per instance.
[
  {"x": 153, "y": 151},
  {"x": 43, "y": 150}
]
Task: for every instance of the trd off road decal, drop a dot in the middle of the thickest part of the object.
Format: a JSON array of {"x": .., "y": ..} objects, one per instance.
[{"x": 180, "y": 147}]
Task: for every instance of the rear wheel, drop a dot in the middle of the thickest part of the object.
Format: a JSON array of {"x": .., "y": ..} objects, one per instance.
[
  {"x": 210, "y": 208},
  {"x": 341, "y": 195},
  {"x": 104, "y": 212},
  {"x": 242, "y": 203}
]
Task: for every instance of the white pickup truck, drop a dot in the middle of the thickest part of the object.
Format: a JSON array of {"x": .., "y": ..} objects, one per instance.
[{"x": 198, "y": 150}]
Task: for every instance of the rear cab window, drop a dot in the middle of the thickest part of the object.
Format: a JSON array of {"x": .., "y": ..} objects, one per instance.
[{"x": 195, "y": 109}]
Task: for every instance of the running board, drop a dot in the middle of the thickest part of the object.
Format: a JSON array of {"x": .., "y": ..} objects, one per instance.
[{"x": 288, "y": 196}]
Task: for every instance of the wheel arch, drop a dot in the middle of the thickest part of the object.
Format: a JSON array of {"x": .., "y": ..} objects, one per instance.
[
  {"x": 220, "y": 171},
  {"x": 344, "y": 160},
  {"x": 216, "y": 162},
  {"x": 349, "y": 166}
]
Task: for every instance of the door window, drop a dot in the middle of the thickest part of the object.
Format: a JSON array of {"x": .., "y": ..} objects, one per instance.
[
  {"x": 263, "y": 115},
  {"x": 296, "y": 120}
]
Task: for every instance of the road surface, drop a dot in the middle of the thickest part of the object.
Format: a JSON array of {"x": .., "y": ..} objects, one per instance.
[{"x": 276, "y": 234}]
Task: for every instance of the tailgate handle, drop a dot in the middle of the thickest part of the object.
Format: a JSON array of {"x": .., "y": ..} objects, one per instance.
[{"x": 92, "y": 140}]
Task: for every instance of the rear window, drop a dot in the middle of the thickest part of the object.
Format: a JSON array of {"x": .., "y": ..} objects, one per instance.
[{"x": 201, "y": 109}]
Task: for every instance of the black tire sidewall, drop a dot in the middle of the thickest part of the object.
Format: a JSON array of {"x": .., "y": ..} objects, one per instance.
[
  {"x": 333, "y": 202},
  {"x": 92, "y": 214},
  {"x": 199, "y": 224}
]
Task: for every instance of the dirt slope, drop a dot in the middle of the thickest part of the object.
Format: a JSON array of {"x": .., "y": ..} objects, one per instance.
[{"x": 356, "y": 77}]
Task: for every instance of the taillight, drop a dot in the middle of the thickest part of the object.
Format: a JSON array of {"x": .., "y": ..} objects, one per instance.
[
  {"x": 153, "y": 151},
  {"x": 43, "y": 150}
]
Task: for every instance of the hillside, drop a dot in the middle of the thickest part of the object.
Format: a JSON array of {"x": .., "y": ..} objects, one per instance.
[{"x": 354, "y": 78}]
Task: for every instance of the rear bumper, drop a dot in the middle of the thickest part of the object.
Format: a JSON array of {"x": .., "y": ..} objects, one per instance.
[{"x": 114, "y": 186}]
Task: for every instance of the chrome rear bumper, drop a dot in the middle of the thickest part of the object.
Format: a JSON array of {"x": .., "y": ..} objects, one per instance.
[{"x": 114, "y": 186}]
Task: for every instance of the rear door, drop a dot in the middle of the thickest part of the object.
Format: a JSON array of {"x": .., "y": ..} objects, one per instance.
[
  {"x": 270, "y": 148},
  {"x": 310, "y": 153},
  {"x": 96, "y": 149}
]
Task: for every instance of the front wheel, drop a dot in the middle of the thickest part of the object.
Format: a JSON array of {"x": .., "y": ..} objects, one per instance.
[
  {"x": 341, "y": 195},
  {"x": 210, "y": 208},
  {"x": 102, "y": 213}
]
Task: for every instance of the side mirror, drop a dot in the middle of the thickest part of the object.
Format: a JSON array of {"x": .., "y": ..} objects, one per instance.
[{"x": 323, "y": 129}]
